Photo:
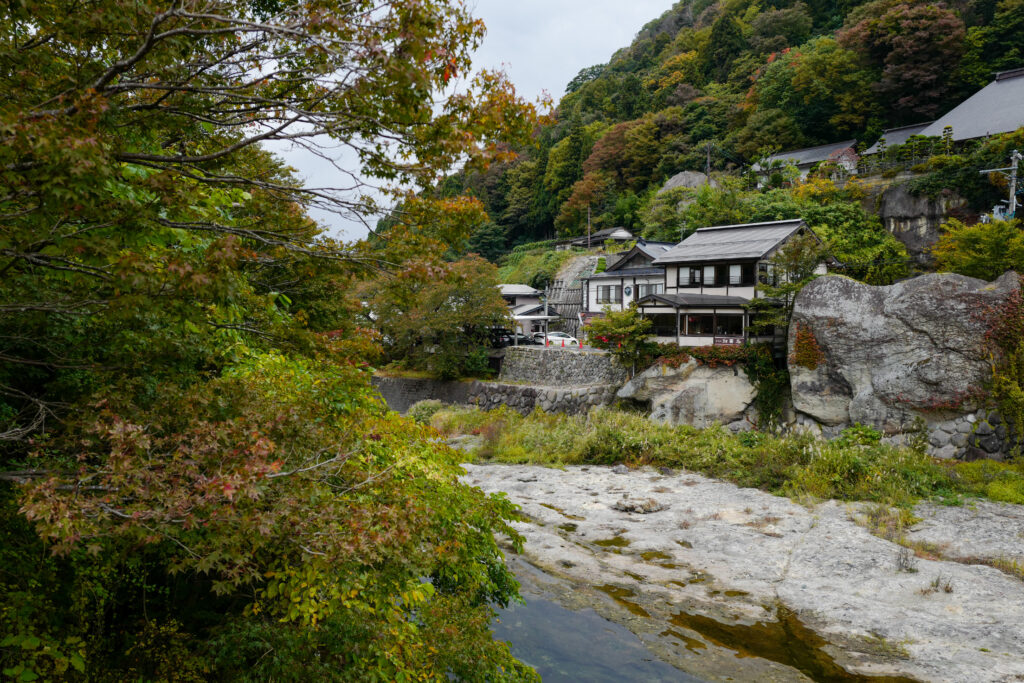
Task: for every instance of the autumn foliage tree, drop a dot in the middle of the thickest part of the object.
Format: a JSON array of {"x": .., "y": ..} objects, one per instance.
[{"x": 198, "y": 480}]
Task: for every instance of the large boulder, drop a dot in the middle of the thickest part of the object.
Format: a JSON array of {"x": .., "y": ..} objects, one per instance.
[
  {"x": 883, "y": 356},
  {"x": 693, "y": 394},
  {"x": 690, "y": 179}
]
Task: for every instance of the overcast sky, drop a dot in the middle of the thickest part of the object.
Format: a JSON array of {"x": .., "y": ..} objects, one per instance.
[{"x": 541, "y": 44}]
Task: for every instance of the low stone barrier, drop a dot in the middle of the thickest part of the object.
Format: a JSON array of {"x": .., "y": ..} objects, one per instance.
[
  {"x": 560, "y": 367},
  {"x": 570, "y": 400},
  {"x": 401, "y": 393}
]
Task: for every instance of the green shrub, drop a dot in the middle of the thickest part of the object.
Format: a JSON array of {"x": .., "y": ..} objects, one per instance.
[
  {"x": 854, "y": 467},
  {"x": 422, "y": 411}
]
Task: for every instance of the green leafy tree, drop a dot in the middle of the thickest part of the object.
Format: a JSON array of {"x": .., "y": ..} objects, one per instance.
[
  {"x": 915, "y": 46},
  {"x": 437, "y": 316},
  {"x": 625, "y": 334},
  {"x": 983, "y": 250},
  {"x": 790, "y": 269},
  {"x": 198, "y": 478}
]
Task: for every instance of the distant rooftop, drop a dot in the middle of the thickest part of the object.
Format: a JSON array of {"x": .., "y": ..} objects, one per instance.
[
  {"x": 996, "y": 108},
  {"x": 897, "y": 136},
  {"x": 597, "y": 238},
  {"x": 810, "y": 155},
  {"x": 727, "y": 242},
  {"x": 518, "y": 290}
]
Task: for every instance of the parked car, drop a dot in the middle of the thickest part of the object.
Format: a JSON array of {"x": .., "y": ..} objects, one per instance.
[
  {"x": 501, "y": 338},
  {"x": 556, "y": 339}
]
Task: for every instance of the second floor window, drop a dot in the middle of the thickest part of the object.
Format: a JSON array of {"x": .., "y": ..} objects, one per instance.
[
  {"x": 647, "y": 290},
  {"x": 689, "y": 277},
  {"x": 609, "y": 294}
]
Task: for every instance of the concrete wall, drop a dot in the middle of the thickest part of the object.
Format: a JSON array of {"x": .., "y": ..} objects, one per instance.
[{"x": 560, "y": 367}]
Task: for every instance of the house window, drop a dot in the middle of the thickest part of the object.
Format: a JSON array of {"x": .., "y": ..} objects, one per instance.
[
  {"x": 709, "y": 276},
  {"x": 609, "y": 294},
  {"x": 731, "y": 325},
  {"x": 647, "y": 290},
  {"x": 735, "y": 275},
  {"x": 697, "y": 324},
  {"x": 689, "y": 277}
]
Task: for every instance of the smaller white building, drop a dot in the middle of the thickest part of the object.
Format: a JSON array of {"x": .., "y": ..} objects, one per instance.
[
  {"x": 526, "y": 305},
  {"x": 628, "y": 279}
]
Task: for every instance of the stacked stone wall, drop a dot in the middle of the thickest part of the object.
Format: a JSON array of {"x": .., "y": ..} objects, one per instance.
[
  {"x": 400, "y": 393},
  {"x": 560, "y": 367},
  {"x": 570, "y": 400}
]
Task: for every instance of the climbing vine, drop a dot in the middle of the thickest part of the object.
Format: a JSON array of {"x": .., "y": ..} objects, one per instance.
[
  {"x": 806, "y": 351},
  {"x": 770, "y": 382},
  {"x": 1005, "y": 340}
]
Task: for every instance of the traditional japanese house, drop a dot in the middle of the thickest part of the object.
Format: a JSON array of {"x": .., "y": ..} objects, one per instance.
[
  {"x": 630, "y": 278},
  {"x": 711, "y": 276}
]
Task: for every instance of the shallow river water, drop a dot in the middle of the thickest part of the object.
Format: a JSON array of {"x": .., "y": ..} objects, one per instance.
[{"x": 566, "y": 645}]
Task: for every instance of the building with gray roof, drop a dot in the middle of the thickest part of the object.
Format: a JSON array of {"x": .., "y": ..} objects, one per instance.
[
  {"x": 711, "y": 276},
  {"x": 996, "y": 108},
  {"x": 897, "y": 136}
]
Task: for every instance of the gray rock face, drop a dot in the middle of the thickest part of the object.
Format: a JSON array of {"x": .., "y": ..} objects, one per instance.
[
  {"x": 891, "y": 354},
  {"x": 691, "y": 179},
  {"x": 728, "y": 554},
  {"x": 693, "y": 394},
  {"x": 914, "y": 220}
]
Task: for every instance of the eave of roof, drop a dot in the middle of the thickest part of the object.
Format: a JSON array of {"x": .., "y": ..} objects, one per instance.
[
  {"x": 628, "y": 272},
  {"x": 694, "y": 300}
]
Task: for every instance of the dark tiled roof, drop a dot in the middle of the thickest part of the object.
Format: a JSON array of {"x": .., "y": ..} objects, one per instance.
[
  {"x": 694, "y": 300},
  {"x": 628, "y": 272},
  {"x": 996, "y": 108},
  {"x": 654, "y": 249},
  {"x": 731, "y": 242},
  {"x": 897, "y": 136}
]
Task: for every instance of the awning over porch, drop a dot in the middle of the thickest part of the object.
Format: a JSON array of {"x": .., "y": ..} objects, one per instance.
[{"x": 694, "y": 300}]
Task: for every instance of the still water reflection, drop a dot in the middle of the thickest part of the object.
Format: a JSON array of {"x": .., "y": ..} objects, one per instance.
[{"x": 566, "y": 645}]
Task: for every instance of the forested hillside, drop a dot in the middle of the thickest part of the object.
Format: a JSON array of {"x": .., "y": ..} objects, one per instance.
[{"x": 722, "y": 83}]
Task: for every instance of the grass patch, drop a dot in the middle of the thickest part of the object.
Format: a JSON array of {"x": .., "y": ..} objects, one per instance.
[
  {"x": 855, "y": 467},
  {"x": 535, "y": 267}
]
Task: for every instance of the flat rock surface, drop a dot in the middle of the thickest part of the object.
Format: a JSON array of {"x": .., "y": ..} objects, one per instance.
[{"x": 722, "y": 581}]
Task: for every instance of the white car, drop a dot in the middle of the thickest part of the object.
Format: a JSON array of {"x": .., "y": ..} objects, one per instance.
[{"x": 556, "y": 339}]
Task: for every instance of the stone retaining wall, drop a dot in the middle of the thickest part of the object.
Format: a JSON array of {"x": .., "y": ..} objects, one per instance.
[
  {"x": 400, "y": 393},
  {"x": 570, "y": 400},
  {"x": 560, "y": 367},
  {"x": 975, "y": 436}
]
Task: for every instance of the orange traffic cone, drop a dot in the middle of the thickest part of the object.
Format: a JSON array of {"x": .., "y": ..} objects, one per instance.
[
  {"x": 581, "y": 346},
  {"x": 563, "y": 343}
]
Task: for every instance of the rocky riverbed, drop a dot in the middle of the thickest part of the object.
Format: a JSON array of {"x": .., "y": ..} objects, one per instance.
[{"x": 732, "y": 583}]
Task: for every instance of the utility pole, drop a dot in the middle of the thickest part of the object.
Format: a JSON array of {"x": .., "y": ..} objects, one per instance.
[
  {"x": 588, "y": 226},
  {"x": 707, "y": 166},
  {"x": 1015, "y": 159}
]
